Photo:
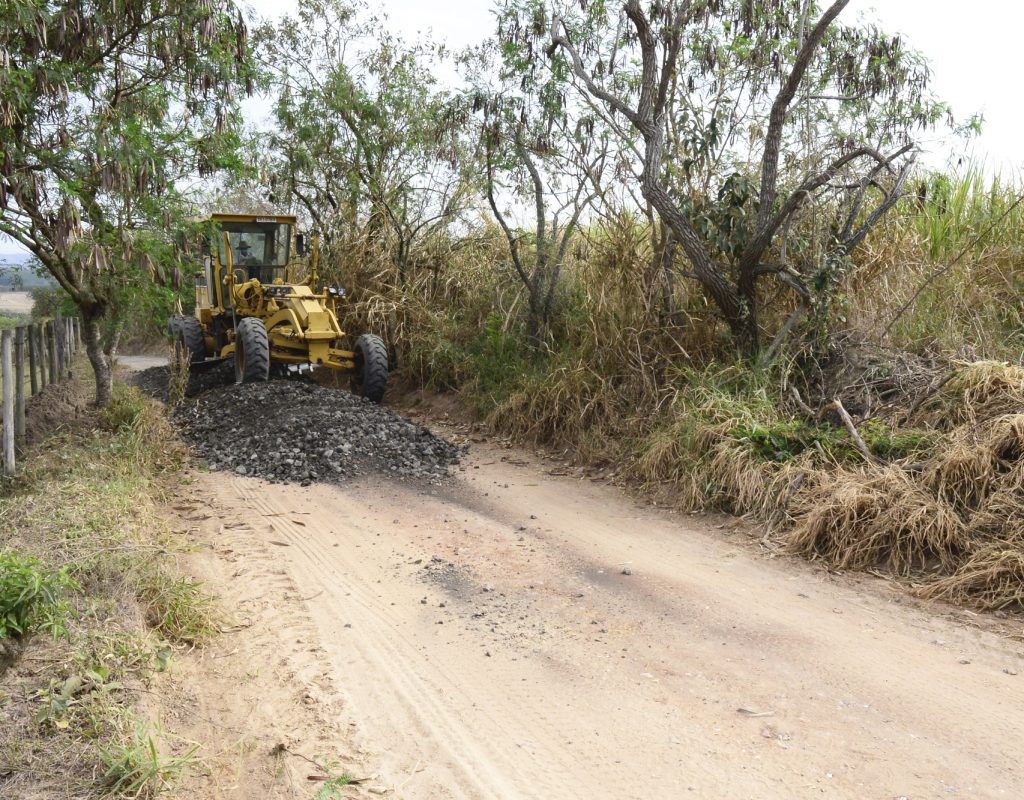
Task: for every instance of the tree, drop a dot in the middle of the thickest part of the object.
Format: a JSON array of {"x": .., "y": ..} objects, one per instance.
[
  {"x": 539, "y": 156},
  {"x": 744, "y": 113},
  {"x": 561, "y": 182},
  {"x": 362, "y": 136},
  {"x": 105, "y": 105}
]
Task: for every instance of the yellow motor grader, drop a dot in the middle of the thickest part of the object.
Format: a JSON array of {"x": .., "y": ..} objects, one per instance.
[{"x": 252, "y": 306}]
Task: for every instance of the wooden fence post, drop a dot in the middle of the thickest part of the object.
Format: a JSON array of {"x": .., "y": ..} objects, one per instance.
[
  {"x": 41, "y": 351},
  {"x": 69, "y": 346},
  {"x": 19, "y": 384},
  {"x": 33, "y": 376},
  {"x": 58, "y": 337},
  {"x": 8, "y": 403},
  {"x": 51, "y": 348}
]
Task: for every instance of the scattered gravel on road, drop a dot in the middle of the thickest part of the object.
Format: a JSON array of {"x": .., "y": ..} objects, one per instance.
[
  {"x": 296, "y": 431},
  {"x": 153, "y": 381}
]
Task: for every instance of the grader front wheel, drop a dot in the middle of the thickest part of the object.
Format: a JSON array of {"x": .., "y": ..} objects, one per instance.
[
  {"x": 252, "y": 351},
  {"x": 371, "y": 375},
  {"x": 188, "y": 340}
]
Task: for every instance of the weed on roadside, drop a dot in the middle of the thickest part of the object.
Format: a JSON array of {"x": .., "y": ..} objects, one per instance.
[
  {"x": 179, "y": 361},
  {"x": 32, "y": 597},
  {"x": 135, "y": 768},
  {"x": 175, "y": 607},
  {"x": 331, "y": 788}
]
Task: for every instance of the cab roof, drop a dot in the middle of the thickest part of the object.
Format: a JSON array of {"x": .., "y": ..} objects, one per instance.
[{"x": 278, "y": 218}]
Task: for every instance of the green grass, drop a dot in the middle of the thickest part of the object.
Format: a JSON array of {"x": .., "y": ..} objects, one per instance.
[
  {"x": 9, "y": 320},
  {"x": 785, "y": 440},
  {"x": 178, "y": 608},
  {"x": 93, "y": 555},
  {"x": 331, "y": 788},
  {"x": 960, "y": 207}
]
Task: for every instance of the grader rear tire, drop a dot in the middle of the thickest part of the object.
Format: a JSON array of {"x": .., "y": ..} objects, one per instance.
[
  {"x": 371, "y": 376},
  {"x": 252, "y": 351}
]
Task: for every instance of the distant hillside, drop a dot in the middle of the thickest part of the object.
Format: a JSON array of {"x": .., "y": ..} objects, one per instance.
[{"x": 20, "y": 272}]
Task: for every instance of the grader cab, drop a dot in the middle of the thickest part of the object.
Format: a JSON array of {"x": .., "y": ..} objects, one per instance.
[{"x": 253, "y": 305}]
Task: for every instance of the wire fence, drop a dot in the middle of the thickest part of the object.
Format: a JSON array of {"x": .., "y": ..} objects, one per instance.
[{"x": 32, "y": 357}]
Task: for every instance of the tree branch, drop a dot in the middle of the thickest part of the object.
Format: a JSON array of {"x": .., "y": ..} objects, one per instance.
[
  {"x": 883, "y": 208},
  {"x": 780, "y": 108},
  {"x": 578, "y": 68},
  {"x": 513, "y": 244},
  {"x": 766, "y": 232},
  {"x": 538, "y": 192}
]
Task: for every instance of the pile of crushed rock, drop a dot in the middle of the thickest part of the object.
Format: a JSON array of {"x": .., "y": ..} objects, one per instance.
[{"x": 296, "y": 431}]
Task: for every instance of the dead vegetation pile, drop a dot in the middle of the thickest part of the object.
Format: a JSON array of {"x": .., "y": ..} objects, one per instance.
[
  {"x": 928, "y": 487},
  {"x": 954, "y": 519}
]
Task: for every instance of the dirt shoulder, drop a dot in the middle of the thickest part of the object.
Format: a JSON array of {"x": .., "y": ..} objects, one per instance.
[{"x": 523, "y": 634}]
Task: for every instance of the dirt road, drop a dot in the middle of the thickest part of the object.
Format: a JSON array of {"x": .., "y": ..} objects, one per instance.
[{"x": 522, "y": 635}]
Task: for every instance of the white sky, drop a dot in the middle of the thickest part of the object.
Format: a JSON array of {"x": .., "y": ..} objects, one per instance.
[{"x": 975, "y": 51}]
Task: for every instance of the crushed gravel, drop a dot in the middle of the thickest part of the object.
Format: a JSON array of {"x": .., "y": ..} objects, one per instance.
[
  {"x": 153, "y": 381},
  {"x": 296, "y": 431}
]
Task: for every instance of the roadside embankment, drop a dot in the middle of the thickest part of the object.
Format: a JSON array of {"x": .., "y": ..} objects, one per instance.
[{"x": 98, "y": 606}]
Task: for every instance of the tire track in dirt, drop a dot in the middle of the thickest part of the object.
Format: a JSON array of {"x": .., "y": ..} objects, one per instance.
[
  {"x": 259, "y": 698},
  {"x": 445, "y": 696},
  {"x": 425, "y": 686}
]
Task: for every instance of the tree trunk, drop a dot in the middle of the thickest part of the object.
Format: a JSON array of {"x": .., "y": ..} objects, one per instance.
[
  {"x": 738, "y": 306},
  {"x": 101, "y": 360},
  {"x": 535, "y": 319},
  {"x": 659, "y": 291},
  {"x": 746, "y": 336},
  {"x": 745, "y": 330}
]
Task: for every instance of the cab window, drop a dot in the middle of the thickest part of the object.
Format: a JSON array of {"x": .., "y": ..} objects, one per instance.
[{"x": 258, "y": 249}]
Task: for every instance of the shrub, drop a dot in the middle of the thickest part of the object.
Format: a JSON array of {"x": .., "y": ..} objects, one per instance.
[{"x": 31, "y": 596}]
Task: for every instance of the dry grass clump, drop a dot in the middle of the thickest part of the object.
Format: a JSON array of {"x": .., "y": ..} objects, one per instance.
[
  {"x": 686, "y": 451},
  {"x": 571, "y": 407},
  {"x": 744, "y": 484},
  {"x": 965, "y": 473},
  {"x": 1001, "y": 516},
  {"x": 877, "y": 518},
  {"x": 701, "y": 471},
  {"x": 979, "y": 391},
  {"x": 976, "y": 461},
  {"x": 1004, "y": 436},
  {"x": 992, "y": 578},
  {"x": 962, "y": 515}
]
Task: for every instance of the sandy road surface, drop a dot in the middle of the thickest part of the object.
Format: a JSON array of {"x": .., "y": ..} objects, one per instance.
[
  {"x": 138, "y": 363},
  {"x": 481, "y": 640}
]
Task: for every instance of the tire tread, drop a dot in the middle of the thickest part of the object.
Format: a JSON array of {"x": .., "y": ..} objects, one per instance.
[
  {"x": 252, "y": 334},
  {"x": 371, "y": 351}
]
